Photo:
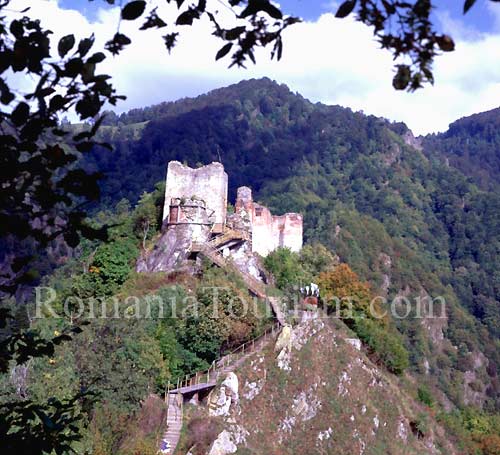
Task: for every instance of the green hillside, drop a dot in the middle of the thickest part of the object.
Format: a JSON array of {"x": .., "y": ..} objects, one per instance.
[
  {"x": 382, "y": 217},
  {"x": 364, "y": 192}
]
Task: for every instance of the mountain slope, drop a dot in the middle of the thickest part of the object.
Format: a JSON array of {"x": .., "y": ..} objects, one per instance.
[
  {"x": 472, "y": 145},
  {"x": 398, "y": 215},
  {"x": 316, "y": 392}
]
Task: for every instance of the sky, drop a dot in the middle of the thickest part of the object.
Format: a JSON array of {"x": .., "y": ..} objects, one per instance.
[{"x": 325, "y": 59}]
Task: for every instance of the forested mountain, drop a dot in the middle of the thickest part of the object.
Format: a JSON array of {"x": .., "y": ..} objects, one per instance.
[
  {"x": 472, "y": 145},
  {"x": 364, "y": 190},
  {"x": 392, "y": 208}
]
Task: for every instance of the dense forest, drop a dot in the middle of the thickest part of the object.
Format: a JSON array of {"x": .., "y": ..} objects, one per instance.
[
  {"x": 404, "y": 216},
  {"x": 471, "y": 145}
]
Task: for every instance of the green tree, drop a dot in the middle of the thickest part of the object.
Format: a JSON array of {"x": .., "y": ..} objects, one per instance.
[
  {"x": 287, "y": 269},
  {"x": 316, "y": 258},
  {"x": 385, "y": 343},
  {"x": 145, "y": 217},
  {"x": 220, "y": 319},
  {"x": 110, "y": 266}
]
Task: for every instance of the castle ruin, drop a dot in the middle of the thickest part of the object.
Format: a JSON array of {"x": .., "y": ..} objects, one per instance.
[
  {"x": 268, "y": 231},
  {"x": 196, "y": 223}
]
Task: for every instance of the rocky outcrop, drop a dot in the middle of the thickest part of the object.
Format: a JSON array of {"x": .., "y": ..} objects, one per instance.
[
  {"x": 228, "y": 440},
  {"x": 222, "y": 398},
  {"x": 317, "y": 392},
  {"x": 244, "y": 260},
  {"x": 412, "y": 141},
  {"x": 223, "y": 402},
  {"x": 223, "y": 445},
  {"x": 293, "y": 339},
  {"x": 385, "y": 266},
  {"x": 172, "y": 249}
]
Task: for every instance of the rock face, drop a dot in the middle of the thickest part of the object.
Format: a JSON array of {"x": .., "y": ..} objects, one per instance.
[
  {"x": 293, "y": 339},
  {"x": 244, "y": 260},
  {"x": 172, "y": 248},
  {"x": 223, "y": 444},
  {"x": 412, "y": 141},
  {"x": 222, "y": 398},
  {"x": 228, "y": 440},
  {"x": 224, "y": 402},
  {"x": 356, "y": 342}
]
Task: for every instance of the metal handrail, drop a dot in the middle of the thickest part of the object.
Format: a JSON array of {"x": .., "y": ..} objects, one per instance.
[{"x": 217, "y": 366}]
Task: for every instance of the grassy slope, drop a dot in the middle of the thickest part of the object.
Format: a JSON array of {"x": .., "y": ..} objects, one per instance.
[{"x": 351, "y": 395}]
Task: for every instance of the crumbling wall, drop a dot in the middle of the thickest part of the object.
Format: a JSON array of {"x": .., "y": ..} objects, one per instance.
[
  {"x": 265, "y": 235},
  {"x": 288, "y": 229},
  {"x": 190, "y": 211},
  {"x": 269, "y": 232},
  {"x": 208, "y": 183}
]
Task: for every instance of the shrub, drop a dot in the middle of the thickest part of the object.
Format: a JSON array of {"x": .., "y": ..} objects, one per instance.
[
  {"x": 286, "y": 268},
  {"x": 387, "y": 345},
  {"x": 424, "y": 395}
]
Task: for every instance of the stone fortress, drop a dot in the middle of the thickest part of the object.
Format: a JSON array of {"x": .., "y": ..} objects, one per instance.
[{"x": 196, "y": 223}]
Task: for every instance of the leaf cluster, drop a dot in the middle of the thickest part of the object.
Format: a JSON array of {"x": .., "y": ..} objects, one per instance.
[{"x": 44, "y": 189}]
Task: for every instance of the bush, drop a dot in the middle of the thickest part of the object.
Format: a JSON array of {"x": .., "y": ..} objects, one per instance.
[
  {"x": 286, "y": 269},
  {"x": 111, "y": 266},
  {"x": 424, "y": 395},
  {"x": 387, "y": 345}
]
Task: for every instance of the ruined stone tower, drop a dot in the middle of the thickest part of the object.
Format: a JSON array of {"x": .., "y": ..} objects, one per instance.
[{"x": 207, "y": 184}]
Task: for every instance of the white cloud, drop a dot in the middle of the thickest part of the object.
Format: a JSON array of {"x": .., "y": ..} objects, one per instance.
[
  {"x": 494, "y": 9},
  {"x": 329, "y": 60}
]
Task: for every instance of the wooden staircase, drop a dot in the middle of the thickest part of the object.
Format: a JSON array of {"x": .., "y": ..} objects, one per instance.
[
  {"x": 221, "y": 367},
  {"x": 174, "y": 423},
  {"x": 211, "y": 250},
  {"x": 255, "y": 286},
  {"x": 229, "y": 235},
  {"x": 207, "y": 379}
]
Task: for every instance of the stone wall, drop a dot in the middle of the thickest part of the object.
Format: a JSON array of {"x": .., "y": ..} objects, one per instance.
[
  {"x": 289, "y": 230},
  {"x": 268, "y": 231},
  {"x": 208, "y": 183}
]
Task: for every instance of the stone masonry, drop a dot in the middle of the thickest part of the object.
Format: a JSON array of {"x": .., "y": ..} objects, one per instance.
[
  {"x": 268, "y": 231},
  {"x": 207, "y": 183}
]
